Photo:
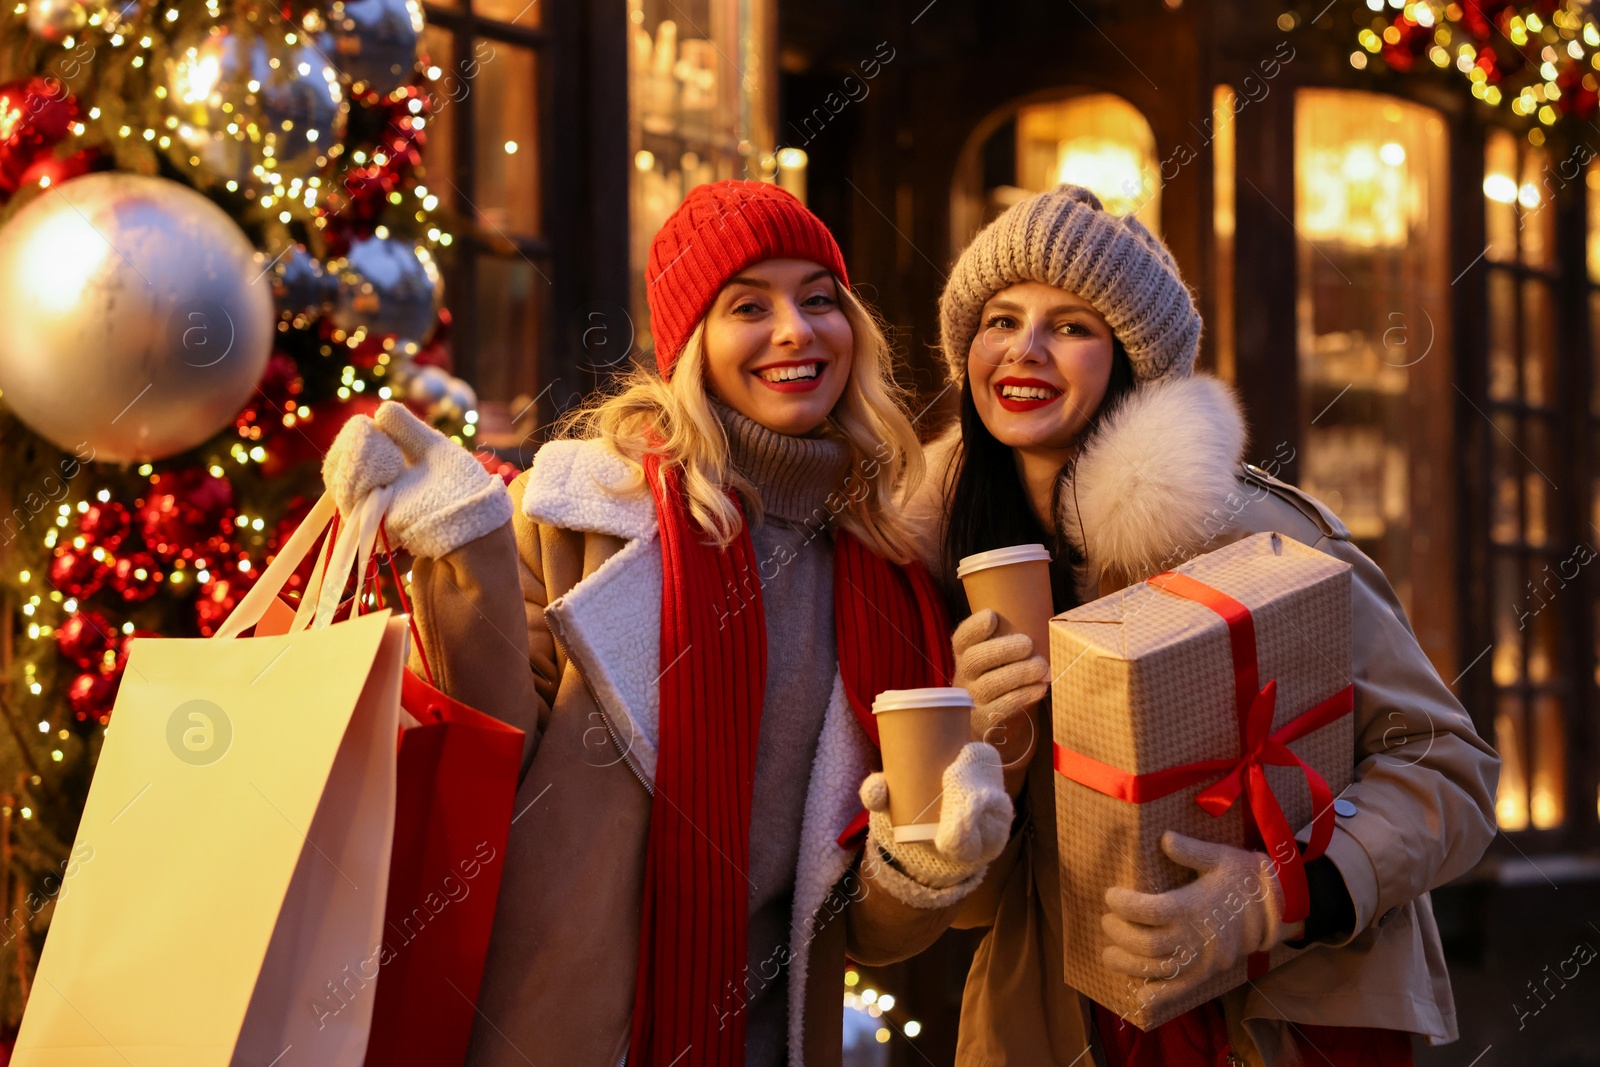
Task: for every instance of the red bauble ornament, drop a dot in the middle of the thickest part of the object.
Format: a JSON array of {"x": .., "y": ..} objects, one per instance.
[
  {"x": 182, "y": 510},
  {"x": 91, "y": 695},
  {"x": 76, "y": 572},
  {"x": 106, "y": 524},
  {"x": 136, "y": 576},
  {"x": 35, "y": 115},
  {"x": 58, "y": 169},
  {"x": 220, "y": 594},
  {"x": 275, "y": 398},
  {"x": 507, "y": 472},
  {"x": 85, "y": 637},
  {"x": 311, "y": 437}
]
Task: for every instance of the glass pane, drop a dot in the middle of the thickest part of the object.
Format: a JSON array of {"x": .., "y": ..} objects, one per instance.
[
  {"x": 1505, "y": 518},
  {"x": 438, "y": 171},
  {"x": 1099, "y": 141},
  {"x": 1500, "y": 194},
  {"x": 702, "y": 105},
  {"x": 1511, "y": 800},
  {"x": 1539, "y": 616},
  {"x": 1509, "y": 620},
  {"x": 1550, "y": 762},
  {"x": 1538, "y": 344},
  {"x": 1593, "y": 180},
  {"x": 1537, "y": 493},
  {"x": 1502, "y": 335},
  {"x": 511, "y": 300},
  {"x": 506, "y": 134},
  {"x": 1594, "y": 348},
  {"x": 1372, "y": 222},
  {"x": 1538, "y": 213},
  {"x": 1222, "y": 223},
  {"x": 520, "y": 12}
]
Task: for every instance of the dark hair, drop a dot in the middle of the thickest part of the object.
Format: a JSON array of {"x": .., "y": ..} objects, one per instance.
[{"x": 989, "y": 505}]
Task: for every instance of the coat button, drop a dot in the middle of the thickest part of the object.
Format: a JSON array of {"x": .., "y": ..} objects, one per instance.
[
  {"x": 1343, "y": 808},
  {"x": 1387, "y": 916}
]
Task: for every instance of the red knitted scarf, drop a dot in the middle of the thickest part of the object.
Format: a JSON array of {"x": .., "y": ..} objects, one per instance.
[{"x": 892, "y": 634}]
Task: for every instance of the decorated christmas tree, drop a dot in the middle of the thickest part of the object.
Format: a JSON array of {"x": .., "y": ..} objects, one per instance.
[{"x": 217, "y": 244}]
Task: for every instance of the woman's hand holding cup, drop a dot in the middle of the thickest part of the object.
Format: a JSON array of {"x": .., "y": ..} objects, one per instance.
[{"x": 1006, "y": 679}]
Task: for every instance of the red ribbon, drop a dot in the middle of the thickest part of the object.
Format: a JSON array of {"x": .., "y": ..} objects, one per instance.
[{"x": 1244, "y": 774}]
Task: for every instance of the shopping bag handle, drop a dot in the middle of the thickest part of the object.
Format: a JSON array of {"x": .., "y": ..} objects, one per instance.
[
  {"x": 253, "y": 605},
  {"x": 350, "y": 544}
]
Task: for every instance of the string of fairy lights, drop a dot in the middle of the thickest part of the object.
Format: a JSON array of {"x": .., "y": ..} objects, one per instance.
[
  {"x": 875, "y": 1005},
  {"x": 1543, "y": 67}
]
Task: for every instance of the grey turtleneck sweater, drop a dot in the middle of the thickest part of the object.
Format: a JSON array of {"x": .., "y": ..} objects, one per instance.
[{"x": 794, "y": 559}]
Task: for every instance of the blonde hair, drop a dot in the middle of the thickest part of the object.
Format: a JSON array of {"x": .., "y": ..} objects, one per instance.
[{"x": 674, "y": 417}]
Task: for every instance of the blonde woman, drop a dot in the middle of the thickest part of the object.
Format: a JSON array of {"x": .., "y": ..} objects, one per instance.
[{"x": 714, "y": 584}]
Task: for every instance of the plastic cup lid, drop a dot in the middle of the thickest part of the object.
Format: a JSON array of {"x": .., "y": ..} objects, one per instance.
[
  {"x": 1000, "y": 557},
  {"x": 941, "y": 697}
]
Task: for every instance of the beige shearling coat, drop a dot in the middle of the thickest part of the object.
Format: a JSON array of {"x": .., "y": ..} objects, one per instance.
[
  {"x": 1162, "y": 482},
  {"x": 552, "y": 623}
]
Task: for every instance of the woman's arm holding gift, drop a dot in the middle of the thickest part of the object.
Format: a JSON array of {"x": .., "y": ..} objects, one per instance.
[{"x": 1424, "y": 781}]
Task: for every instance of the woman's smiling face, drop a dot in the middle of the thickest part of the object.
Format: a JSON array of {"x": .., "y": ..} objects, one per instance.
[
  {"x": 1039, "y": 365},
  {"x": 778, "y": 346}
]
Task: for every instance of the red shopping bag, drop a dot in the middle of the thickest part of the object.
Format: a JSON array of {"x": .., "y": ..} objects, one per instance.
[
  {"x": 455, "y": 784},
  {"x": 456, "y": 781}
]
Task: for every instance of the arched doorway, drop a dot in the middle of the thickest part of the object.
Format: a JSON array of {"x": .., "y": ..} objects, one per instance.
[{"x": 1083, "y": 136}]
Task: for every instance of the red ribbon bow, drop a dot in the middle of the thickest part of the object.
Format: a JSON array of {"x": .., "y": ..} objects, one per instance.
[{"x": 1245, "y": 773}]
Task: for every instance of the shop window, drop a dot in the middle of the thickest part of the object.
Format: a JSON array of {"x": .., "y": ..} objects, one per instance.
[
  {"x": 1530, "y": 555},
  {"x": 701, "y": 109},
  {"x": 485, "y": 158},
  {"x": 1373, "y": 337}
]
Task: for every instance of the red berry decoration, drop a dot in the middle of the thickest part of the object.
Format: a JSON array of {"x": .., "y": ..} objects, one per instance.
[
  {"x": 85, "y": 637},
  {"x": 136, "y": 576},
  {"x": 106, "y": 525},
  {"x": 181, "y": 510},
  {"x": 76, "y": 572},
  {"x": 91, "y": 696}
]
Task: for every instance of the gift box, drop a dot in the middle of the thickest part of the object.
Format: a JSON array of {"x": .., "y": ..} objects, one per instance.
[{"x": 1214, "y": 700}]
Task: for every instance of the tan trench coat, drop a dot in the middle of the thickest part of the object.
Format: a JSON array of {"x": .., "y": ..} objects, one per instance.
[
  {"x": 1161, "y": 483},
  {"x": 552, "y": 623}
]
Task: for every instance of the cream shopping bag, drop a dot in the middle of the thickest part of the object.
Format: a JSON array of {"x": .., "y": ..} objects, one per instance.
[{"x": 238, "y": 832}]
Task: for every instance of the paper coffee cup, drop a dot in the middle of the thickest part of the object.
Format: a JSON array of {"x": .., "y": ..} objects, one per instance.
[
  {"x": 921, "y": 732},
  {"x": 1014, "y": 583}
]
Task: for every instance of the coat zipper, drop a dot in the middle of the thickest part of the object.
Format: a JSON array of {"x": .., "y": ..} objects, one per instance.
[{"x": 554, "y": 624}]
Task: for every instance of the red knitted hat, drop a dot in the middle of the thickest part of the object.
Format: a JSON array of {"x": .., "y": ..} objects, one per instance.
[{"x": 717, "y": 231}]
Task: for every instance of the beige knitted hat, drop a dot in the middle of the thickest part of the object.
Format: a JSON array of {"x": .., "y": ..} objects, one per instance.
[{"x": 1066, "y": 239}]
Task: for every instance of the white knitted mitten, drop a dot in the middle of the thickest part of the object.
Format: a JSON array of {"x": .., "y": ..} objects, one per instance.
[
  {"x": 360, "y": 460},
  {"x": 1002, "y": 673},
  {"x": 442, "y": 496},
  {"x": 974, "y": 824},
  {"x": 1186, "y": 935}
]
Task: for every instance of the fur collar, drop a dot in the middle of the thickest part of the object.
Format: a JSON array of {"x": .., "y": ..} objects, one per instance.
[
  {"x": 1139, "y": 497},
  {"x": 584, "y": 485}
]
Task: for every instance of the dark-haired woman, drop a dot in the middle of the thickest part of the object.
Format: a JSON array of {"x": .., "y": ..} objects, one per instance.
[{"x": 1083, "y": 427}]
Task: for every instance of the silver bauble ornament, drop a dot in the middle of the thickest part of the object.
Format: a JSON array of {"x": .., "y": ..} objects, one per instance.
[
  {"x": 135, "y": 317},
  {"x": 387, "y": 287},
  {"x": 53, "y": 20},
  {"x": 251, "y": 107},
  {"x": 300, "y": 284},
  {"x": 374, "y": 42}
]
